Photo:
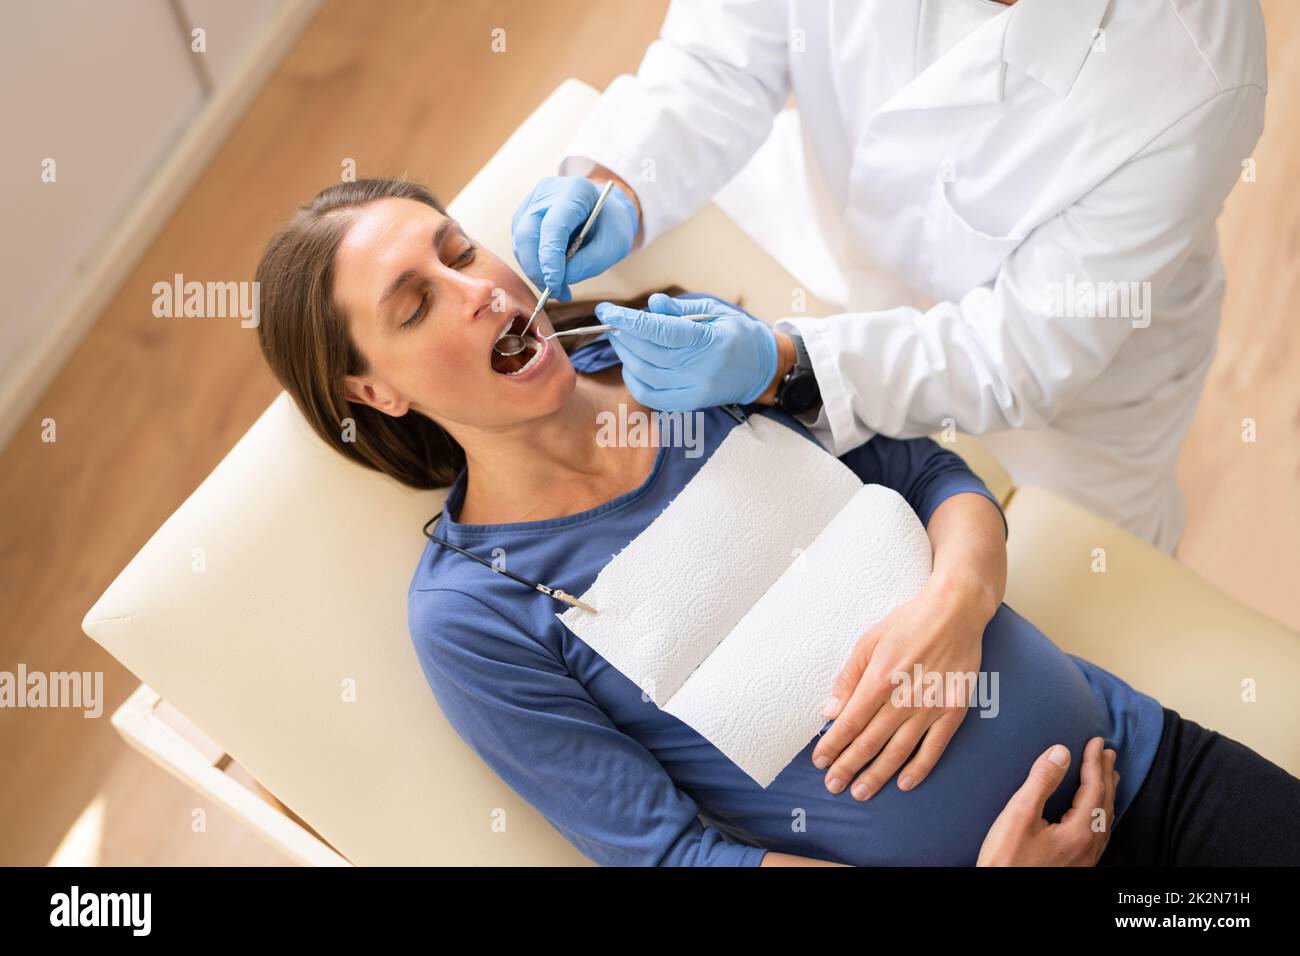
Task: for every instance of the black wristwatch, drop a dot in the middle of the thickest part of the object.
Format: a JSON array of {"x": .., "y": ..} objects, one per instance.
[{"x": 798, "y": 391}]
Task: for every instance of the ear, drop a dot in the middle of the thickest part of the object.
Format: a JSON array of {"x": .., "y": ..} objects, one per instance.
[{"x": 363, "y": 392}]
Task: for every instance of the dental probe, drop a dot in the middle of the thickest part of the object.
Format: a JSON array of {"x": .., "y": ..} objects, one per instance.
[
  {"x": 593, "y": 329},
  {"x": 574, "y": 246}
]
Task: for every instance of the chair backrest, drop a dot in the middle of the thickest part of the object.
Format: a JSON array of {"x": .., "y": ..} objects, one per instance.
[{"x": 270, "y": 608}]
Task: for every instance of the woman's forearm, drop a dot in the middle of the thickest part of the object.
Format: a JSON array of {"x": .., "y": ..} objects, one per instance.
[
  {"x": 772, "y": 858},
  {"x": 968, "y": 539}
]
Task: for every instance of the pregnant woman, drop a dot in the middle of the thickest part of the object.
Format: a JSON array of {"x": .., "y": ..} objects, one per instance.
[{"x": 379, "y": 316}]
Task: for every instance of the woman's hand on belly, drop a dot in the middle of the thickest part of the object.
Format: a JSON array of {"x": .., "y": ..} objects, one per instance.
[
  {"x": 881, "y": 710},
  {"x": 1021, "y": 837}
]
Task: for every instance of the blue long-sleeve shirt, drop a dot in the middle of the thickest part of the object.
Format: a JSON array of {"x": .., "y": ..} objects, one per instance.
[{"x": 628, "y": 784}]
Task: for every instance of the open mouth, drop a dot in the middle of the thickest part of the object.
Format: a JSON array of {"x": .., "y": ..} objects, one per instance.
[{"x": 532, "y": 352}]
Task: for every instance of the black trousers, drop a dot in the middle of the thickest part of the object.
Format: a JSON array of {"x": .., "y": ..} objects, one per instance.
[{"x": 1208, "y": 801}]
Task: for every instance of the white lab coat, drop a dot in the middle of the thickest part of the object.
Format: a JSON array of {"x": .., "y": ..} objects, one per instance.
[{"x": 1063, "y": 148}]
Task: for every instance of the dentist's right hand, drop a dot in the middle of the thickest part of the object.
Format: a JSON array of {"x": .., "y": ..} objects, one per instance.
[{"x": 553, "y": 213}]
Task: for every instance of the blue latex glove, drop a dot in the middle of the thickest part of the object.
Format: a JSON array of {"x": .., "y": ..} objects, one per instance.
[
  {"x": 679, "y": 365},
  {"x": 554, "y": 212}
]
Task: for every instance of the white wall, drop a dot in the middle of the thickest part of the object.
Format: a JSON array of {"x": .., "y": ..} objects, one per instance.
[{"x": 110, "y": 90}]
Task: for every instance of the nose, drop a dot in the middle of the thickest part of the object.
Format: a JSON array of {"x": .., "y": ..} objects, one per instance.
[{"x": 481, "y": 297}]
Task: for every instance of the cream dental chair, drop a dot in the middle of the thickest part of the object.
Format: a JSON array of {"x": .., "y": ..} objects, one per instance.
[{"x": 267, "y": 616}]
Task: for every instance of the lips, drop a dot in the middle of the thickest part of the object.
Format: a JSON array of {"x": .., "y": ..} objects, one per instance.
[{"x": 534, "y": 348}]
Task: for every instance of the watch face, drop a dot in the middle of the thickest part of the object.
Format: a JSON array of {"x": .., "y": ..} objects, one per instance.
[{"x": 800, "y": 393}]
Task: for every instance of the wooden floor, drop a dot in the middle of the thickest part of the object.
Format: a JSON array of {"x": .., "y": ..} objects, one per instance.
[{"x": 146, "y": 409}]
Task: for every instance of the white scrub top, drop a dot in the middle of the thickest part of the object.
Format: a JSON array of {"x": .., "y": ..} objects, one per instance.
[{"x": 1020, "y": 233}]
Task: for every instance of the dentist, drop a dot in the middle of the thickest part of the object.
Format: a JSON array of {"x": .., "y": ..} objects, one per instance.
[{"x": 1039, "y": 179}]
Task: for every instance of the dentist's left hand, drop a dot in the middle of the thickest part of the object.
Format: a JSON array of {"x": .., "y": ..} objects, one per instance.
[{"x": 680, "y": 365}]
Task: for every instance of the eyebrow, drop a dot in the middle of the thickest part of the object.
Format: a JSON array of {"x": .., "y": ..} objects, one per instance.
[{"x": 410, "y": 274}]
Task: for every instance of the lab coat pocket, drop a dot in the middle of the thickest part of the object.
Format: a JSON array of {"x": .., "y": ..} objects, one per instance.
[{"x": 955, "y": 255}]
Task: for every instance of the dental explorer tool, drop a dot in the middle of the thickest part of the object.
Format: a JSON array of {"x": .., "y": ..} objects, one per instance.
[{"x": 574, "y": 246}]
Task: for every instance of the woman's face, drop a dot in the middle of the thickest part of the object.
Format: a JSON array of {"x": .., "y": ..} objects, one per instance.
[{"x": 425, "y": 306}]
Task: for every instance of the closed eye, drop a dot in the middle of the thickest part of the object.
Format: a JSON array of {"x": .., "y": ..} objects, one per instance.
[
  {"x": 419, "y": 311},
  {"x": 465, "y": 258}
]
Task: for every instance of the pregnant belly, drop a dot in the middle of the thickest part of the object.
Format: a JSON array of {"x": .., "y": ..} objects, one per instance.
[{"x": 1041, "y": 698}]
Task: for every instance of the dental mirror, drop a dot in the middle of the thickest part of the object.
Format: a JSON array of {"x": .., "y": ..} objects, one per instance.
[{"x": 509, "y": 344}]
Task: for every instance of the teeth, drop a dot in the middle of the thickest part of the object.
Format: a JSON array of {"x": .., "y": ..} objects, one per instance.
[
  {"x": 505, "y": 329},
  {"x": 538, "y": 349}
]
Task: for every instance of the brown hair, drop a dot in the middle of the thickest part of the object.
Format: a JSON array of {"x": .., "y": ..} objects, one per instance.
[{"x": 304, "y": 339}]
